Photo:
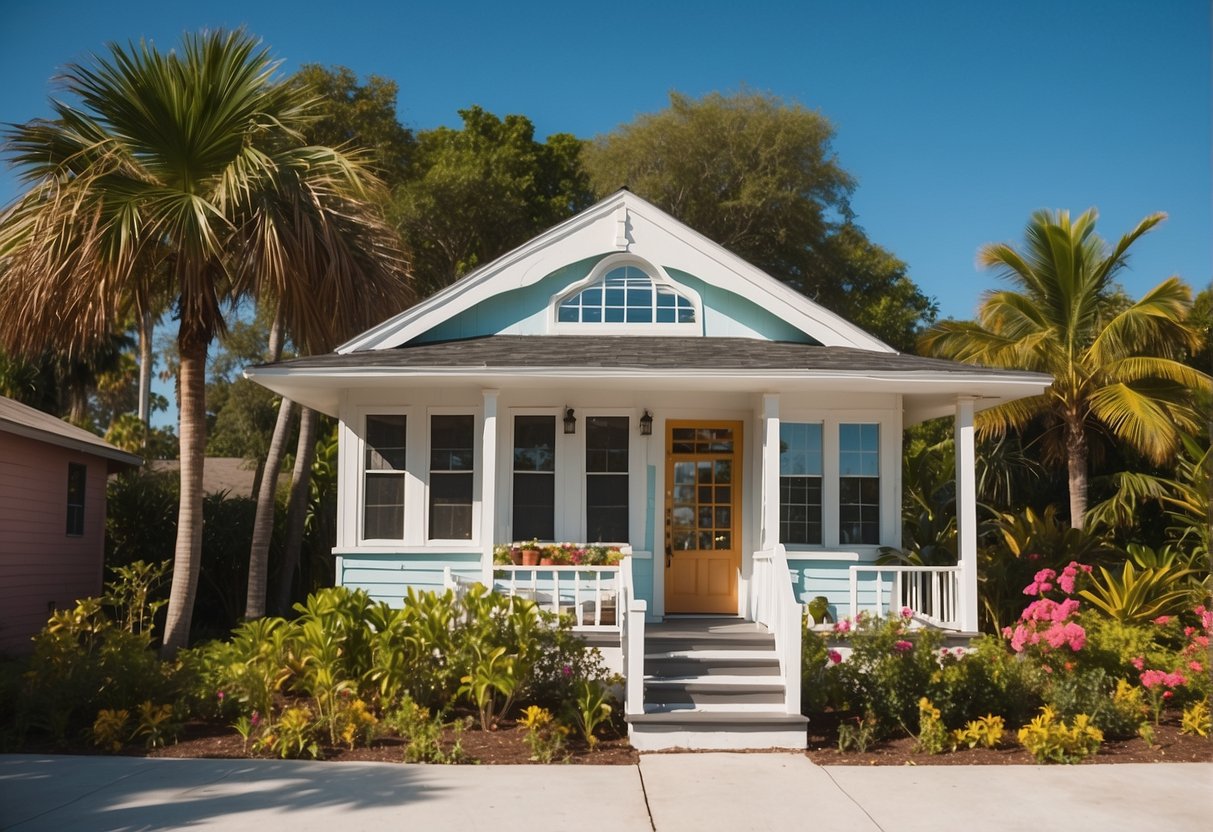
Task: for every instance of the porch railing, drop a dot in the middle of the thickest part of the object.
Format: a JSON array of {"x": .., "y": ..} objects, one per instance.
[
  {"x": 776, "y": 608},
  {"x": 931, "y": 592},
  {"x": 631, "y": 639},
  {"x": 590, "y": 593}
]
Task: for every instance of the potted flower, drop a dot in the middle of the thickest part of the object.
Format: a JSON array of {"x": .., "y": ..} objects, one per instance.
[{"x": 530, "y": 552}]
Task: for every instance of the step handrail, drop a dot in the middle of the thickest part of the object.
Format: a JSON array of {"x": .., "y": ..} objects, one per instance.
[
  {"x": 776, "y": 608},
  {"x": 631, "y": 614}
]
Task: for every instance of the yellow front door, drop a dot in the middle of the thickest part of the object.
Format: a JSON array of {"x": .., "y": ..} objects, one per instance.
[{"x": 702, "y": 516}]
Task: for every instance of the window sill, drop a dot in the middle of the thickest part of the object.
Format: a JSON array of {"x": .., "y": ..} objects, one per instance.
[
  {"x": 388, "y": 548},
  {"x": 818, "y": 554}
]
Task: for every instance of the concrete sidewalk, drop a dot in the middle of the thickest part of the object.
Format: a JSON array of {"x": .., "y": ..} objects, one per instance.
[{"x": 666, "y": 792}]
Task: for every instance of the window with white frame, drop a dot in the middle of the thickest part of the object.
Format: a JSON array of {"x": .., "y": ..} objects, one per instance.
[
  {"x": 800, "y": 476},
  {"x": 606, "y": 479},
  {"x": 383, "y": 477},
  {"x": 626, "y": 295},
  {"x": 452, "y": 469},
  {"x": 859, "y": 483},
  {"x": 534, "y": 515}
]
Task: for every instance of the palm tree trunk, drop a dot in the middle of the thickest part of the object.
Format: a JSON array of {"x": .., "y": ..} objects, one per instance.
[
  {"x": 263, "y": 520},
  {"x": 187, "y": 558},
  {"x": 146, "y": 330},
  {"x": 297, "y": 511},
  {"x": 1076, "y": 458}
]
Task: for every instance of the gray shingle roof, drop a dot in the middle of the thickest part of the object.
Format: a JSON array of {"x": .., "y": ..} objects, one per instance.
[
  {"x": 26, "y": 421},
  {"x": 523, "y": 352}
]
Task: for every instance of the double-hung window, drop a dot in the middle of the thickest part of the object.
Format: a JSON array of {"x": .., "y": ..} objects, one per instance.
[
  {"x": 383, "y": 478},
  {"x": 800, "y": 473},
  {"x": 859, "y": 483},
  {"x": 452, "y": 467},
  {"x": 606, "y": 479},
  {"x": 534, "y": 477}
]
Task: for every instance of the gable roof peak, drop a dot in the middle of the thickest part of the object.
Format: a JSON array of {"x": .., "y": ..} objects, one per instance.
[{"x": 622, "y": 222}]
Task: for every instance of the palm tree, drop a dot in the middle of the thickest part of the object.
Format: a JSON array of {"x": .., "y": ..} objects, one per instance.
[
  {"x": 1116, "y": 364},
  {"x": 198, "y": 152}
]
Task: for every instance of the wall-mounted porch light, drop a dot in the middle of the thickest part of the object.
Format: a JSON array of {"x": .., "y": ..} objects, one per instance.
[
  {"x": 570, "y": 421},
  {"x": 646, "y": 424}
]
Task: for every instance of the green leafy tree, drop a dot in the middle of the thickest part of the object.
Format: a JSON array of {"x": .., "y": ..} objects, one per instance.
[
  {"x": 360, "y": 117},
  {"x": 1117, "y": 364},
  {"x": 480, "y": 191},
  {"x": 759, "y": 176},
  {"x": 199, "y": 150}
]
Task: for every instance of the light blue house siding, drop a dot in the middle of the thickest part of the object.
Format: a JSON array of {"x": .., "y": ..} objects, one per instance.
[
  {"x": 524, "y": 311},
  {"x": 831, "y": 578},
  {"x": 387, "y": 577}
]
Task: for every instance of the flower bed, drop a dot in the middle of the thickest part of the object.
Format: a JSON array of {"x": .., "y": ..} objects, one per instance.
[{"x": 1061, "y": 682}]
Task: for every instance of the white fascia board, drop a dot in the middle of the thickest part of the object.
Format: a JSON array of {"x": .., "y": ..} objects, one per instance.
[
  {"x": 480, "y": 285},
  {"x": 709, "y": 259},
  {"x": 655, "y": 236},
  {"x": 926, "y": 394}
]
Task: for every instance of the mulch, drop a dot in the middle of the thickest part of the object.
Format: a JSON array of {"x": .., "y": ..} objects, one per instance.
[
  {"x": 1169, "y": 746},
  {"x": 506, "y": 746}
]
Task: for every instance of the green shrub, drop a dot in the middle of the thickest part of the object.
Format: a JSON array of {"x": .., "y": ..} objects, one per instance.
[
  {"x": 83, "y": 663},
  {"x": 888, "y": 671}
]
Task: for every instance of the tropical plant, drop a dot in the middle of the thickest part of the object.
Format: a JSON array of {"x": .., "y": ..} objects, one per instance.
[
  {"x": 196, "y": 159},
  {"x": 1184, "y": 498},
  {"x": 1140, "y": 595},
  {"x": 1051, "y": 740},
  {"x": 1117, "y": 366}
]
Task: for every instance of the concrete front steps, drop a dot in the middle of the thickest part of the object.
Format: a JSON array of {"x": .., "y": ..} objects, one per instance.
[{"x": 713, "y": 684}]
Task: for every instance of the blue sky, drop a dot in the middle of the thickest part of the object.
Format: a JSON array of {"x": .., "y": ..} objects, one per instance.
[{"x": 957, "y": 118}]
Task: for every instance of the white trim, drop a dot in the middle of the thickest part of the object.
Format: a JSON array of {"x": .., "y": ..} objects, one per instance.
[
  {"x": 889, "y": 428},
  {"x": 407, "y": 550},
  {"x": 655, "y": 273},
  {"x": 477, "y": 456},
  {"x": 652, "y": 234},
  {"x": 966, "y": 512},
  {"x": 822, "y": 554},
  {"x": 413, "y": 486},
  {"x": 488, "y": 482}
]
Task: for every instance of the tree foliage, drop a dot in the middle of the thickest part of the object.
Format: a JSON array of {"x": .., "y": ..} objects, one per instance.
[
  {"x": 358, "y": 117},
  {"x": 481, "y": 190},
  {"x": 200, "y": 153},
  {"x": 1117, "y": 365},
  {"x": 759, "y": 176}
]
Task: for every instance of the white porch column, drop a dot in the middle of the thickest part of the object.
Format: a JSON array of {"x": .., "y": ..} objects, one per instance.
[
  {"x": 966, "y": 513},
  {"x": 769, "y": 537},
  {"x": 488, "y": 485}
]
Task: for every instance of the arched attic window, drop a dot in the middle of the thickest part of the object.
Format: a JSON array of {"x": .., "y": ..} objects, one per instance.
[{"x": 626, "y": 295}]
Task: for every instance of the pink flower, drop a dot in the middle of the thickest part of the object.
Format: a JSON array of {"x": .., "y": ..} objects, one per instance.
[
  {"x": 834, "y": 656},
  {"x": 1162, "y": 620},
  {"x": 1167, "y": 694},
  {"x": 906, "y": 612},
  {"x": 566, "y": 671},
  {"x": 1041, "y": 582},
  {"x": 903, "y": 646},
  {"x": 1076, "y": 636},
  {"x": 843, "y": 626},
  {"x": 219, "y": 695},
  {"x": 1006, "y": 632},
  {"x": 1196, "y": 667},
  {"x": 1138, "y": 663},
  {"x": 1068, "y": 576},
  {"x": 256, "y": 720}
]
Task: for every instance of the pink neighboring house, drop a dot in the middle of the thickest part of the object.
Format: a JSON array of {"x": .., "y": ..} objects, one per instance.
[{"x": 52, "y": 517}]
